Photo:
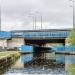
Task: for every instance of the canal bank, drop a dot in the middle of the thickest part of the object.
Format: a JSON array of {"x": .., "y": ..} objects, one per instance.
[
  {"x": 38, "y": 64},
  {"x": 65, "y": 53},
  {"x": 42, "y": 63},
  {"x": 7, "y": 58}
]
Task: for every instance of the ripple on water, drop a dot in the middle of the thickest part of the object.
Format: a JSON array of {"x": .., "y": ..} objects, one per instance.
[{"x": 36, "y": 71}]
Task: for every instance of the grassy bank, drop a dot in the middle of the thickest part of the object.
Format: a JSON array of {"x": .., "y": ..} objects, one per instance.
[
  {"x": 70, "y": 68},
  {"x": 7, "y": 58},
  {"x": 6, "y": 54}
]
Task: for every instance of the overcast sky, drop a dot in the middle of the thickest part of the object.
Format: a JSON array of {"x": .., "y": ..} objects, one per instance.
[{"x": 19, "y": 14}]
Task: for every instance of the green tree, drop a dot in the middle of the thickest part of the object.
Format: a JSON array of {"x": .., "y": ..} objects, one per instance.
[{"x": 72, "y": 37}]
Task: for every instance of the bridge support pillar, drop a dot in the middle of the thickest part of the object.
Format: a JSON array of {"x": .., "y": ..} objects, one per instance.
[{"x": 15, "y": 42}]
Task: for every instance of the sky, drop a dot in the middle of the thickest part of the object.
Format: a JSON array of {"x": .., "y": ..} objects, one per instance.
[{"x": 21, "y": 14}]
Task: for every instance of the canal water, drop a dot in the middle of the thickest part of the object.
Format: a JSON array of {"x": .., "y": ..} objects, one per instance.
[{"x": 43, "y": 63}]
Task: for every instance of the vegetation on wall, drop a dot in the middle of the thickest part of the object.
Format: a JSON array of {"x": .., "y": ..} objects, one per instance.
[{"x": 72, "y": 37}]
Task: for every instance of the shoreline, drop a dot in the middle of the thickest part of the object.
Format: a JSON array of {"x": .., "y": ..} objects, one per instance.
[
  {"x": 65, "y": 53},
  {"x": 7, "y": 58}
]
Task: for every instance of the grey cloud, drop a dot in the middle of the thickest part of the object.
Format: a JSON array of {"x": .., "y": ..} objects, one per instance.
[{"x": 53, "y": 11}]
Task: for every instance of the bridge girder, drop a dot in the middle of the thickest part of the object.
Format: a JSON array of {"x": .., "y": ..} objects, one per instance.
[{"x": 44, "y": 41}]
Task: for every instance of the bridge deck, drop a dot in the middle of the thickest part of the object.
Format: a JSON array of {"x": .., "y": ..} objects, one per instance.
[{"x": 41, "y": 33}]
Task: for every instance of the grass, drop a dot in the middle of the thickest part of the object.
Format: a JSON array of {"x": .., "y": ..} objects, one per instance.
[
  {"x": 71, "y": 69},
  {"x": 6, "y": 54}
]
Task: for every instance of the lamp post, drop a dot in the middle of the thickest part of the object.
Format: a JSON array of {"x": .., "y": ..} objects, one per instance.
[
  {"x": 33, "y": 16},
  {"x": 34, "y": 23},
  {"x": 73, "y": 13},
  {"x": 0, "y": 18},
  {"x": 40, "y": 18},
  {"x": 41, "y": 22}
]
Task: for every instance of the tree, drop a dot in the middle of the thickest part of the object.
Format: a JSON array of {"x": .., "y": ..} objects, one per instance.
[{"x": 72, "y": 37}]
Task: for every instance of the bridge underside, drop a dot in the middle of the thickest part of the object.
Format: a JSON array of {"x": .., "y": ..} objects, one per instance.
[{"x": 41, "y": 42}]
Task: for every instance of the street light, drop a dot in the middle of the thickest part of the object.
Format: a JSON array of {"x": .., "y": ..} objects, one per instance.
[
  {"x": 0, "y": 18},
  {"x": 33, "y": 19},
  {"x": 73, "y": 13},
  {"x": 41, "y": 22},
  {"x": 40, "y": 18},
  {"x": 33, "y": 15}
]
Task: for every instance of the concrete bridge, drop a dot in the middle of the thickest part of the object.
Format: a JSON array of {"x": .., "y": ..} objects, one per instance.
[{"x": 38, "y": 37}]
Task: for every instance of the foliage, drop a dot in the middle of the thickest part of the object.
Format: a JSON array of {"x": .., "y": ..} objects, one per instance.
[{"x": 72, "y": 37}]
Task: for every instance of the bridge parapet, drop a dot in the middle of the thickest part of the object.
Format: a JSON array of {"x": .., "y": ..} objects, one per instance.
[{"x": 51, "y": 34}]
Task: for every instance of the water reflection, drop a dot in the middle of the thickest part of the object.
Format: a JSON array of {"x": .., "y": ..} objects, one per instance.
[
  {"x": 60, "y": 58},
  {"x": 43, "y": 63},
  {"x": 26, "y": 58}
]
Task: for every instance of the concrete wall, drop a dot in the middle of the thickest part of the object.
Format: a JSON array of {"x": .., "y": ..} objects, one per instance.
[
  {"x": 3, "y": 43},
  {"x": 52, "y": 44},
  {"x": 15, "y": 42}
]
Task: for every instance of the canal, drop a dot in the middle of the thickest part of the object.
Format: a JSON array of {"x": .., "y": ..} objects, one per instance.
[{"x": 43, "y": 63}]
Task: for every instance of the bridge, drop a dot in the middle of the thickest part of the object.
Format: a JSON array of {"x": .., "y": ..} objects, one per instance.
[
  {"x": 37, "y": 38},
  {"x": 52, "y": 33},
  {"x": 41, "y": 37}
]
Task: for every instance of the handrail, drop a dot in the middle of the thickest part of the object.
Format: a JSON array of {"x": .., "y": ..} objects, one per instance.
[{"x": 42, "y": 34}]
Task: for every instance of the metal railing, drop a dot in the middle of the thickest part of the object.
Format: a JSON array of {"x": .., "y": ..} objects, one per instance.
[{"x": 42, "y": 34}]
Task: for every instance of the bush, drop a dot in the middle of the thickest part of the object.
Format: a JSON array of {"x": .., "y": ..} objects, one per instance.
[{"x": 72, "y": 37}]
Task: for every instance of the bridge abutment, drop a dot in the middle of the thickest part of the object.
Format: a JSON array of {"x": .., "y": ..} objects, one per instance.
[{"x": 15, "y": 42}]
